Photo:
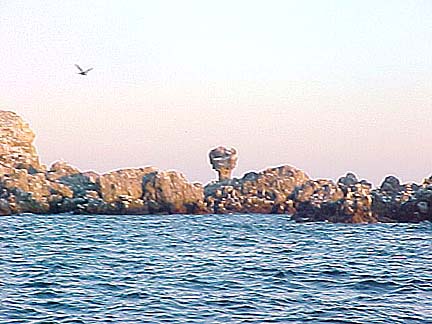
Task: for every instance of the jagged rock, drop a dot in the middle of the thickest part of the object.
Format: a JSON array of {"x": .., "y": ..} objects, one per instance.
[
  {"x": 80, "y": 184},
  {"x": 170, "y": 192},
  {"x": 395, "y": 202},
  {"x": 92, "y": 176},
  {"x": 71, "y": 189},
  {"x": 61, "y": 169},
  {"x": 26, "y": 192},
  {"x": 389, "y": 198},
  {"x": 22, "y": 178},
  {"x": 223, "y": 160},
  {"x": 116, "y": 192},
  {"x": 349, "y": 179},
  {"x": 126, "y": 182},
  {"x": 24, "y": 182},
  {"x": 264, "y": 192},
  {"x": 391, "y": 185},
  {"x": 60, "y": 190},
  {"x": 317, "y": 191},
  {"x": 347, "y": 202},
  {"x": 76, "y": 182},
  {"x": 423, "y": 202},
  {"x": 4, "y": 207},
  {"x": 16, "y": 145},
  {"x": 31, "y": 192}
]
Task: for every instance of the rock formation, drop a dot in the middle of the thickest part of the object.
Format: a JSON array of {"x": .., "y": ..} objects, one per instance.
[
  {"x": 396, "y": 202},
  {"x": 223, "y": 160},
  {"x": 120, "y": 184},
  {"x": 24, "y": 186},
  {"x": 266, "y": 192},
  {"x": 16, "y": 145},
  {"x": 169, "y": 192},
  {"x": 347, "y": 201},
  {"x": 27, "y": 186}
]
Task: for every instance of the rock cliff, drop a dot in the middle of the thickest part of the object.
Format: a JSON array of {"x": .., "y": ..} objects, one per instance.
[{"x": 16, "y": 145}]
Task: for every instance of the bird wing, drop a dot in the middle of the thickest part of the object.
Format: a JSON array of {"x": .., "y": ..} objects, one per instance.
[
  {"x": 88, "y": 70},
  {"x": 79, "y": 67}
]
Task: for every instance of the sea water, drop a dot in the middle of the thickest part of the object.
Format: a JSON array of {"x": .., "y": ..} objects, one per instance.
[{"x": 212, "y": 269}]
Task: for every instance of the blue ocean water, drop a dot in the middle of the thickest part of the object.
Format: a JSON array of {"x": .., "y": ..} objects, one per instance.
[{"x": 212, "y": 269}]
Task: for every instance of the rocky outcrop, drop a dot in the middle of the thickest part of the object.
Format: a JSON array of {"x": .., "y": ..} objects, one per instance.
[
  {"x": 24, "y": 185},
  {"x": 27, "y": 186},
  {"x": 266, "y": 192},
  {"x": 396, "y": 202},
  {"x": 354, "y": 201},
  {"x": 223, "y": 160},
  {"x": 143, "y": 191},
  {"x": 34, "y": 193},
  {"x": 16, "y": 145},
  {"x": 170, "y": 192},
  {"x": 61, "y": 169},
  {"x": 347, "y": 201},
  {"x": 115, "y": 185}
]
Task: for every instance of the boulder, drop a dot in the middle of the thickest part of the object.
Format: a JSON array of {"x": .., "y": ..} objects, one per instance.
[
  {"x": 349, "y": 179},
  {"x": 26, "y": 192},
  {"x": 61, "y": 169},
  {"x": 80, "y": 184},
  {"x": 5, "y": 209},
  {"x": 267, "y": 191},
  {"x": 120, "y": 183},
  {"x": 407, "y": 203},
  {"x": 391, "y": 197},
  {"x": 348, "y": 201},
  {"x": 391, "y": 185},
  {"x": 170, "y": 192}
]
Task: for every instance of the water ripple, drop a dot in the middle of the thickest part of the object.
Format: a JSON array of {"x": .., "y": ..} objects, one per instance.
[{"x": 212, "y": 269}]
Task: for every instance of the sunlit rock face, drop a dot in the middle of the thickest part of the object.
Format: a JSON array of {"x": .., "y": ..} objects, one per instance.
[
  {"x": 23, "y": 186},
  {"x": 34, "y": 193},
  {"x": 170, "y": 192},
  {"x": 119, "y": 184},
  {"x": 61, "y": 169},
  {"x": 146, "y": 191},
  {"x": 16, "y": 145},
  {"x": 223, "y": 160},
  {"x": 268, "y": 191},
  {"x": 116, "y": 192}
]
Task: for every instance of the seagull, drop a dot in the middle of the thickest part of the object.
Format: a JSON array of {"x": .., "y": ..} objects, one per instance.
[{"x": 82, "y": 72}]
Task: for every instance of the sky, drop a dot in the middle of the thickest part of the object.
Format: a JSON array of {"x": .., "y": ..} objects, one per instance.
[{"x": 325, "y": 86}]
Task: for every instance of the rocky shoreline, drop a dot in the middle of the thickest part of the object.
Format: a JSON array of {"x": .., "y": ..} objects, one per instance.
[{"x": 27, "y": 186}]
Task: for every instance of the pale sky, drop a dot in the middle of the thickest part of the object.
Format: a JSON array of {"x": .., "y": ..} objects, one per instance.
[{"x": 326, "y": 86}]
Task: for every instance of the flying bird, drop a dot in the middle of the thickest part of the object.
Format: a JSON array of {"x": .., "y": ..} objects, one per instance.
[{"x": 82, "y": 72}]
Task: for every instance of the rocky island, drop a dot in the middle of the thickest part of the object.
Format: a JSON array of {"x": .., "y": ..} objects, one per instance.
[{"x": 27, "y": 186}]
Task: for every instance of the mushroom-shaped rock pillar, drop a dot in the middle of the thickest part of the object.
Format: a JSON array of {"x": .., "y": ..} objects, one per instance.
[{"x": 223, "y": 160}]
